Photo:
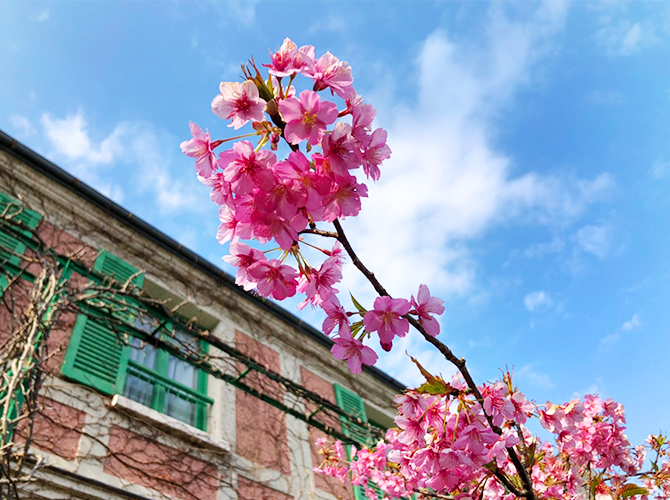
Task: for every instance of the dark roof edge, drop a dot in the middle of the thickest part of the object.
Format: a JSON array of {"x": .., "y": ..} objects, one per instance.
[{"x": 52, "y": 171}]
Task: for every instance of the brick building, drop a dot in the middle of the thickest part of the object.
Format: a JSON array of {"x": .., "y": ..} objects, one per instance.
[{"x": 121, "y": 416}]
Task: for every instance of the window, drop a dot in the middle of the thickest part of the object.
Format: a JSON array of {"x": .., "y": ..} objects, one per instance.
[
  {"x": 163, "y": 381},
  {"x": 10, "y": 246},
  {"x": 116, "y": 362}
]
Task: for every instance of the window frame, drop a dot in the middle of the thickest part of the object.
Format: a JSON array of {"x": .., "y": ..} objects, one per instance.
[
  {"x": 161, "y": 383},
  {"x": 90, "y": 360}
]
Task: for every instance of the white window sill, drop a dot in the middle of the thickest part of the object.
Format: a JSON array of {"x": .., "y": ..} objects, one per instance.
[{"x": 169, "y": 424}]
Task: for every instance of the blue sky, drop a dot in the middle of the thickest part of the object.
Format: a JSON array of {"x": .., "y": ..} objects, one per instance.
[{"x": 528, "y": 185}]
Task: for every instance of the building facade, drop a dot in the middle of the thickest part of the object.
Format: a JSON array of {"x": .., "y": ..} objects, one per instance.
[{"x": 188, "y": 387}]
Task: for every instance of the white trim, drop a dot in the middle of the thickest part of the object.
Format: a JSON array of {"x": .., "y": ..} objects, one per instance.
[{"x": 168, "y": 423}]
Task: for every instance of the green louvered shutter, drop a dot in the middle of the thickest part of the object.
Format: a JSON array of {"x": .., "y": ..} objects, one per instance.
[
  {"x": 96, "y": 356},
  {"x": 9, "y": 244},
  {"x": 353, "y": 405},
  {"x": 28, "y": 217},
  {"x": 117, "y": 268}
]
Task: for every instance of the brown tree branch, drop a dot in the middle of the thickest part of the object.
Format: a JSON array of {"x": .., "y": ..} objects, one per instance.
[{"x": 449, "y": 356}]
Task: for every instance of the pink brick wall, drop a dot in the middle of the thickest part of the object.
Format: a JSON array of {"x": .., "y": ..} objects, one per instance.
[
  {"x": 260, "y": 427},
  {"x": 167, "y": 470},
  {"x": 251, "y": 490},
  {"x": 323, "y": 388},
  {"x": 59, "y": 337},
  {"x": 65, "y": 244},
  {"x": 57, "y": 428}
]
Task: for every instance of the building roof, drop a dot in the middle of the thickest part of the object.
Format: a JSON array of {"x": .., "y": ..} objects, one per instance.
[{"x": 86, "y": 192}]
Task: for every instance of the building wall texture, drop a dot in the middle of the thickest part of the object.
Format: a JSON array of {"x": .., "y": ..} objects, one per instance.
[{"x": 100, "y": 447}]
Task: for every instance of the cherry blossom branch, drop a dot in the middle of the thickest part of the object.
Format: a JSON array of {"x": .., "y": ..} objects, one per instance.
[
  {"x": 319, "y": 232},
  {"x": 266, "y": 199},
  {"x": 452, "y": 358}
]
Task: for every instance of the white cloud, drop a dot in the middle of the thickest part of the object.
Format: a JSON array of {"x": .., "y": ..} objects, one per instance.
[
  {"x": 624, "y": 39},
  {"x": 234, "y": 11},
  {"x": 607, "y": 343},
  {"x": 606, "y": 97},
  {"x": 447, "y": 183},
  {"x": 632, "y": 324},
  {"x": 530, "y": 375},
  {"x": 537, "y": 301},
  {"x": 610, "y": 341},
  {"x": 70, "y": 137},
  {"x": 596, "y": 240},
  {"x": 659, "y": 170},
  {"x": 149, "y": 149},
  {"x": 591, "y": 389},
  {"x": 137, "y": 144},
  {"x": 22, "y": 124},
  {"x": 541, "y": 249},
  {"x": 43, "y": 16}
]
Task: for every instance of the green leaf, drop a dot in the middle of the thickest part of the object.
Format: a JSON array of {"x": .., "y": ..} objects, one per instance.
[
  {"x": 492, "y": 466},
  {"x": 629, "y": 490},
  {"x": 424, "y": 372},
  {"x": 356, "y": 327},
  {"x": 433, "y": 385},
  {"x": 358, "y": 306},
  {"x": 437, "y": 387}
]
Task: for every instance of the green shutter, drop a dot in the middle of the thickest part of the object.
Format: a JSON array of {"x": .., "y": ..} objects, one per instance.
[
  {"x": 9, "y": 244},
  {"x": 353, "y": 405},
  {"x": 117, "y": 268},
  {"x": 29, "y": 217},
  {"x": 96, "y": 356},
  {"x": 9, "y": 247}
]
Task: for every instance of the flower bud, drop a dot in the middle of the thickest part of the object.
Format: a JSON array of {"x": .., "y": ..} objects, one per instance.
[{"x": 271, "y": 107}]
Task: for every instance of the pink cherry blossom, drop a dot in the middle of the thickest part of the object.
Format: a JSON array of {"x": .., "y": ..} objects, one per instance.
[
  {"x": 344, "y": 200},
  {"x": 337, "y": 316},
  {"x": 274, "y": 278},
  {"x": 288, "y": 60},
  {"x": 386, "y": 319},
  {"x": 314, "y": 185},
  {"x": 317, "y": 284},
  {"x": 354, "y": 351},
  {"x": 425, "y": 306},
  {"x": 341, "y": 149},
  {"x": 243, "y": 256},
  {"x": 230, "y": 227},
  {"x": 375, "y": 152},
  {"x": 410, "y": 403},
  {"x": 329, "y": 72},
  {"x": 337, "y": 252},
  {"x": 362, "y": 117},
  {"x": 244, "y": 168},
  {"x": 284, "y": 198},
  {"x": 221, "y": 193},
  {"x": 307, "y": 117},
  {"x": 239, "y": 101},
  {"x": 200, "y": 148},
  {"x": 496, "y": 402}
]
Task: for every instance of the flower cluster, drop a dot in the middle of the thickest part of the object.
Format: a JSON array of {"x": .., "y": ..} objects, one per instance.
[
  {"x": 455, "y": 439},
  {"x": 591, "y": 432},
  {"x": 268, "y": 199},
  {"x": 445, "y": 444}
]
